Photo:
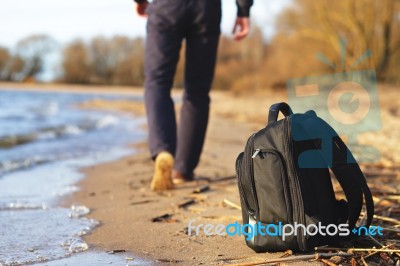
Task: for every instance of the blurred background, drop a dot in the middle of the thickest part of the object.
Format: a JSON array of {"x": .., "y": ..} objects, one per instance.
[{"x": 101, "y": 42}]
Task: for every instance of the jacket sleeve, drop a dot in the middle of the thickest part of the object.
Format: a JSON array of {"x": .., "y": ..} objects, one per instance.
[{"x": 244, "y": 7}]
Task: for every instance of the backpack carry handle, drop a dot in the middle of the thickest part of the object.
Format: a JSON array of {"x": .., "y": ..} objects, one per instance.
[{"x": 274, "y": 111}]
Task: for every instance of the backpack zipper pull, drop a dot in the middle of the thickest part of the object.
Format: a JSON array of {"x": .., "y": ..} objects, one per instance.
[{"x": 256, "y": 153}]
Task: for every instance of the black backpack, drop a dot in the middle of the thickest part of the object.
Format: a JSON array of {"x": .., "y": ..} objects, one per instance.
[{"x": 284, "y": 179}]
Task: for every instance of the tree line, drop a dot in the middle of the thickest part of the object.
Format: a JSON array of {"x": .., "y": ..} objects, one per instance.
[
  {"x": 311, "y": 38},
  {"x": 27, "y": 60},
  {"x": 113, "y": 61}
]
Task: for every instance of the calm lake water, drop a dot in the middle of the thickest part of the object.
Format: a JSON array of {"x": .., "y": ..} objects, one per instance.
[{"x": 44, "y": 140}]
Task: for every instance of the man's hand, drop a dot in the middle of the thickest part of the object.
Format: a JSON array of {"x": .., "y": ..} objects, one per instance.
[
  {"x": 241, "y": 28},
  {"x": 141, "y": 9}
]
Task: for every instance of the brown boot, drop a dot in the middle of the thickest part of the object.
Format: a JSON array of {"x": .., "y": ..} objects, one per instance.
[
  {"x": 162, "y": 172},
  {"x": 180, "y": 178}
]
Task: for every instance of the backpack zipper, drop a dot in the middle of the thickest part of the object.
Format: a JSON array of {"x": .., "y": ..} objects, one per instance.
[
  {"x": 297, "y": 202},
  {"x": 239, "y": 160},
  {"x": 249, "y": 162},
  {"x": 256, "y": 153},
  {"x": 248, "y": 165}
]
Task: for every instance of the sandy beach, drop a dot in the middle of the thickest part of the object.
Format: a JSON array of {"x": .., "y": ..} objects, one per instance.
[{"x": 119, "y": 196}]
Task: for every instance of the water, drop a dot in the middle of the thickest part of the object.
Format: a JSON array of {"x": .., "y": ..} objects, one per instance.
[{"x": 44, "y": 140}]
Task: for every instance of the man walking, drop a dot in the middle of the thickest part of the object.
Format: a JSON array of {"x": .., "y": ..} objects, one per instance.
[{"x": 176, "y": 151}]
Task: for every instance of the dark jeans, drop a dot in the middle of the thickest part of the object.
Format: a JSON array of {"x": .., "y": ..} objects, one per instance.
[{"x": 169, "y": 23}]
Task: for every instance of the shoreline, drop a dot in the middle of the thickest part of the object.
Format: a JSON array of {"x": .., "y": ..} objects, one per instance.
[
  {"x": 37, "y": 178},
  {"x": 72, "y": 88}
]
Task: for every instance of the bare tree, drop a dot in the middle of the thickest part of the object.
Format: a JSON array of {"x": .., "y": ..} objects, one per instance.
[
  {"x": 33, "y": 50},
  {"x": 366, "y": 24},
  {"x": 239, "y": 64},
  {"x": 4, "y": 59},
  {"x": 117, "y": 60},
  {"x": 15, "y": 69},
  {"x": 101, "y": 61},
  {"x": 136, "y": 60},
  {"x": 128, "y": 56},
  {"x": 75, "y": 63}
]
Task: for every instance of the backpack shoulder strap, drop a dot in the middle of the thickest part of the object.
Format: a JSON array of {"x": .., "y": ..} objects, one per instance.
[
  {"x": 352, "y": 180},
  {"x": 339, "y": 159}
]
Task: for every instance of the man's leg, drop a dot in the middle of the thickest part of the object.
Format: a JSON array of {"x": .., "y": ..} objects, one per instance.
[
  {"x": 201, "y": 50},
  {"x": 161, "y": 56}
]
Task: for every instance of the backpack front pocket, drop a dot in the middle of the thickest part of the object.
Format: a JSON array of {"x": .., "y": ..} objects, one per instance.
[{"x": 272, "y": 188}]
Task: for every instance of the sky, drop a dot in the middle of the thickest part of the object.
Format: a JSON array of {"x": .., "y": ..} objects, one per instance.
[{"x": 70, "y": 19}]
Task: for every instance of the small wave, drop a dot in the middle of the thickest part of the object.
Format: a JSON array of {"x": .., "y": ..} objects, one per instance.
[
  {"x": 78, "y": 211},
  {"x": 46, "y": 134},
  {"x": 15, "y": 140},
  {"x": 13, "y": 117},
  {"x": 9, "y": 166},
  {"x": 11, "y": 141},
  {"x": 50, "y": 109},
  {"x": 63, "y": 237},
  {"x": 58, "y": 131},
  {"x": 22, "y": 206},
  {"x": 78, "y": 246},
  {"x": 72, "y": 130},
  {"x": 106, "y": 121}
]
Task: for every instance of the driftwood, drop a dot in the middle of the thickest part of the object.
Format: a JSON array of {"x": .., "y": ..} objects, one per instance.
[
  {"x": 202, "y": 189},
  {"x": 116, "y": 251},
  {"x": 142, "y": 202},
  {"x": 186, "y": 203},
  {"x": 316, "y": 256},
  {"x": 231, "y": 204},
  {"x": 164, "y": 218},
  {"x": 169, "y": 260},
  {"x": 352, "y": 250},
  {"x": 286, "y": 254},
  {"x": 387, "y": 219},
  {"x": 328, "y": 262},
  {"x": 377, "y": 252},
  {"x": 225, "y": 178}
]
